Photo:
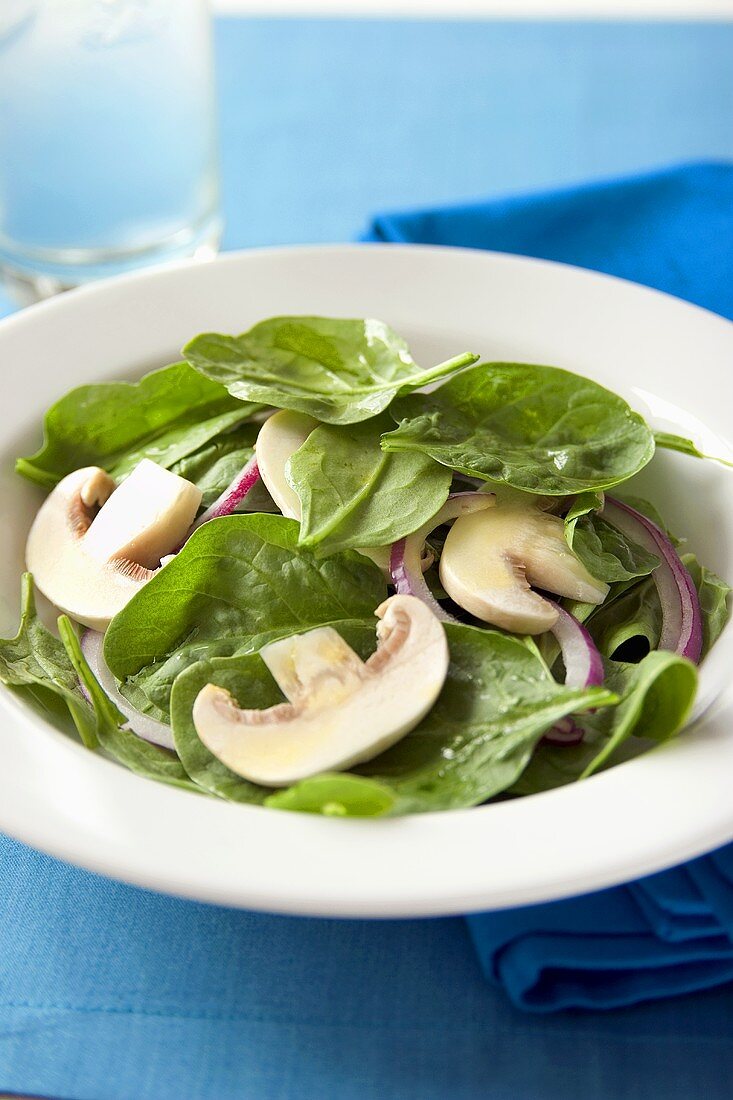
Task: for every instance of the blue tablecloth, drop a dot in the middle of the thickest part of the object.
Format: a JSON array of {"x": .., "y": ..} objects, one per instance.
[{"x": 110, "y": 992}]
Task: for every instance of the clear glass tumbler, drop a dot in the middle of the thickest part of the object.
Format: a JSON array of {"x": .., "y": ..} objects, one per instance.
[{"x": 107, "y": 139}]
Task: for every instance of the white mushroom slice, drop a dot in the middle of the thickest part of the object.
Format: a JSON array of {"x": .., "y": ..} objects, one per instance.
[
  {"x": 490, "y": 558},
  {"x": 279, "y": 438},
  {"x": 91, "y": 565},
  {"x": 146, "y": 517},
  {"x": 340, "y": 710}
]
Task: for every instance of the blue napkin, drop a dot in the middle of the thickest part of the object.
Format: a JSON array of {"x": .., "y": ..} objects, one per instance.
[
  {"x": 670, "y": 229},
  {"x": 673, "y": 932}
]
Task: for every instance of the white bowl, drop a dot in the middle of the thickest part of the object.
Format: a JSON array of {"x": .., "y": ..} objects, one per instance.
[{"x": 671, "y": 360}]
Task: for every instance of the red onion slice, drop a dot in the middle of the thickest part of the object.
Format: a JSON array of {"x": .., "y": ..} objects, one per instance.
[
  {"x": 583, "y": 664},
  {"x": 232, "y": 496},
  {"x": 681, "y": 616},
  {"x": 149, "y": 729},
  {"x": 405, "y": 561},
  {"x": 564, "y": 732},
  {"x": 583, "y": 668}
]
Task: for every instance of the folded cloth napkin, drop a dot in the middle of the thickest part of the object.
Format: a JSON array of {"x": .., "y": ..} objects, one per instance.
[
  {"x": 670, "y": 229},
  {"x": 672, "y": 932}
]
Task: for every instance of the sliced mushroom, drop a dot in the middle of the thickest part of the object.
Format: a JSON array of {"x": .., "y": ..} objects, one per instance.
[
  {"x": 340, "y": 710},
  {"x": 279, "y": 438},
  {"x": 491, "y": 558},
  {"x": 92, "y": 546}
]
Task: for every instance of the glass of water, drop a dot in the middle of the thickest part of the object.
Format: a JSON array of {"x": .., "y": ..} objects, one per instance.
[{"x": 107, "y": 139}]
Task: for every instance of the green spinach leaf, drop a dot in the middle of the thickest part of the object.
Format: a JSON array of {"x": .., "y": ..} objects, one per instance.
[
  {"x": 336, "y": 794},
  {"x": 34, "y": 663},
  {"x": 647, "y": 509},
  {"x": 48, "y": 672},
  {"x": 672, "y": 442},
  {"x": 236, "y": 578},
  {"x": 714, "y": 594},
  {"x": 656, "y": 698},
  {"x": 354, "y": 494},
  {"x": 609, "y": 555},
  {"x": 538, "y": 429},
  {"x": 635, "y": 615},
  {"x": 497, "y": 702},
  {"x": 632, "y": 613},
  {"x": 215, "y": 465},
  {"x": 167, "y": 415},
  {"x": 123, "y": 745},
  {"x": 339, "y": 371},
  {"x": 582, "y": 505}
]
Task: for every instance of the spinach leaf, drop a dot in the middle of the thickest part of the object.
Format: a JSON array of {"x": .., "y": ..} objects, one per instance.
[
  {"x": 635, "y": 616},
  {"x": 656, "y": 698},
  {"x": 539, "y": 429},
  {"x": 647, "y": 509},
  {"x": 354, "y": 494},
  {"x": 339, "y": 371},
  {"x": 248, "y": 680},
  {"x": 167, "y": 415},
  {"x": 685, "y": 446},
  {"x": 609, "y": 555},
  {"x": 215, "y": 465},
  {"x": 632, "y": 613},
  {"x": 48, "y": 672},
  {"x": 123, "y": 745},
  {"x": 34, "y": 663},
  {"x": 497, "y": 702},
  {"x": 236, "y": 578},
  {"x": 335, "y": 794},
  {"x": 714, "y": 604},
  {"x": 582, "y": 505}
]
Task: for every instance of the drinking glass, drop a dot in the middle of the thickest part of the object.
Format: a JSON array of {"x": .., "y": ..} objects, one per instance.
[{"x": 107, "y": 139}]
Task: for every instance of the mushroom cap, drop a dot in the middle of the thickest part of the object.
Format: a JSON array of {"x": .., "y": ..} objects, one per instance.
[
  {"x": 491, "y": 558},
  {"x": 281, "y": 436},
  {"x": 341, "y": 710},
  {"x": 90, "y": 563}
]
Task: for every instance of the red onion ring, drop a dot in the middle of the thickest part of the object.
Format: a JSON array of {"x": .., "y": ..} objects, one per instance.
[
  {"x": 681, "y": 616},
  {"x": 583, "y": 668},
  {"x": 583, "y": 664},
  {"x": 233, "y": 495},
  {"x": 405, "y": 560},
  {"x": 564, "y": 732},
  {"x": 149, "y": 729}
]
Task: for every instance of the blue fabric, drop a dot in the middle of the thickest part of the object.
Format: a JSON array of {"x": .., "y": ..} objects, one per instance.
[
  {"x": 112, "y": 993},
  {"x": 671, "y": 933},
  {"x": 670, "y": 229}
]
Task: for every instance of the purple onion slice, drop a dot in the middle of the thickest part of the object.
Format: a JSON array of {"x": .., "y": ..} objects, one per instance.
[
  {"x": 564, "y": 732},
  {"x": 232, "y": 496},
  {"x": 583, "y": 664},
  {"x": 149, "y": 729},
  {"x": 583, "y": 668},
  {"x": 405, "y": 561},
  {"x": 681, "y": 616}
]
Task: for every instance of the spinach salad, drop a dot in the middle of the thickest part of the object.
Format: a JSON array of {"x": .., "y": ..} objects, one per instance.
[{"x": 291, "y": 575}]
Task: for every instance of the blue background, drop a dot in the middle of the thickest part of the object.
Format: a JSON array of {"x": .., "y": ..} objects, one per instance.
[
  {"x": 325, "y": 123},
  {"x": 107, "y": 991}
]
